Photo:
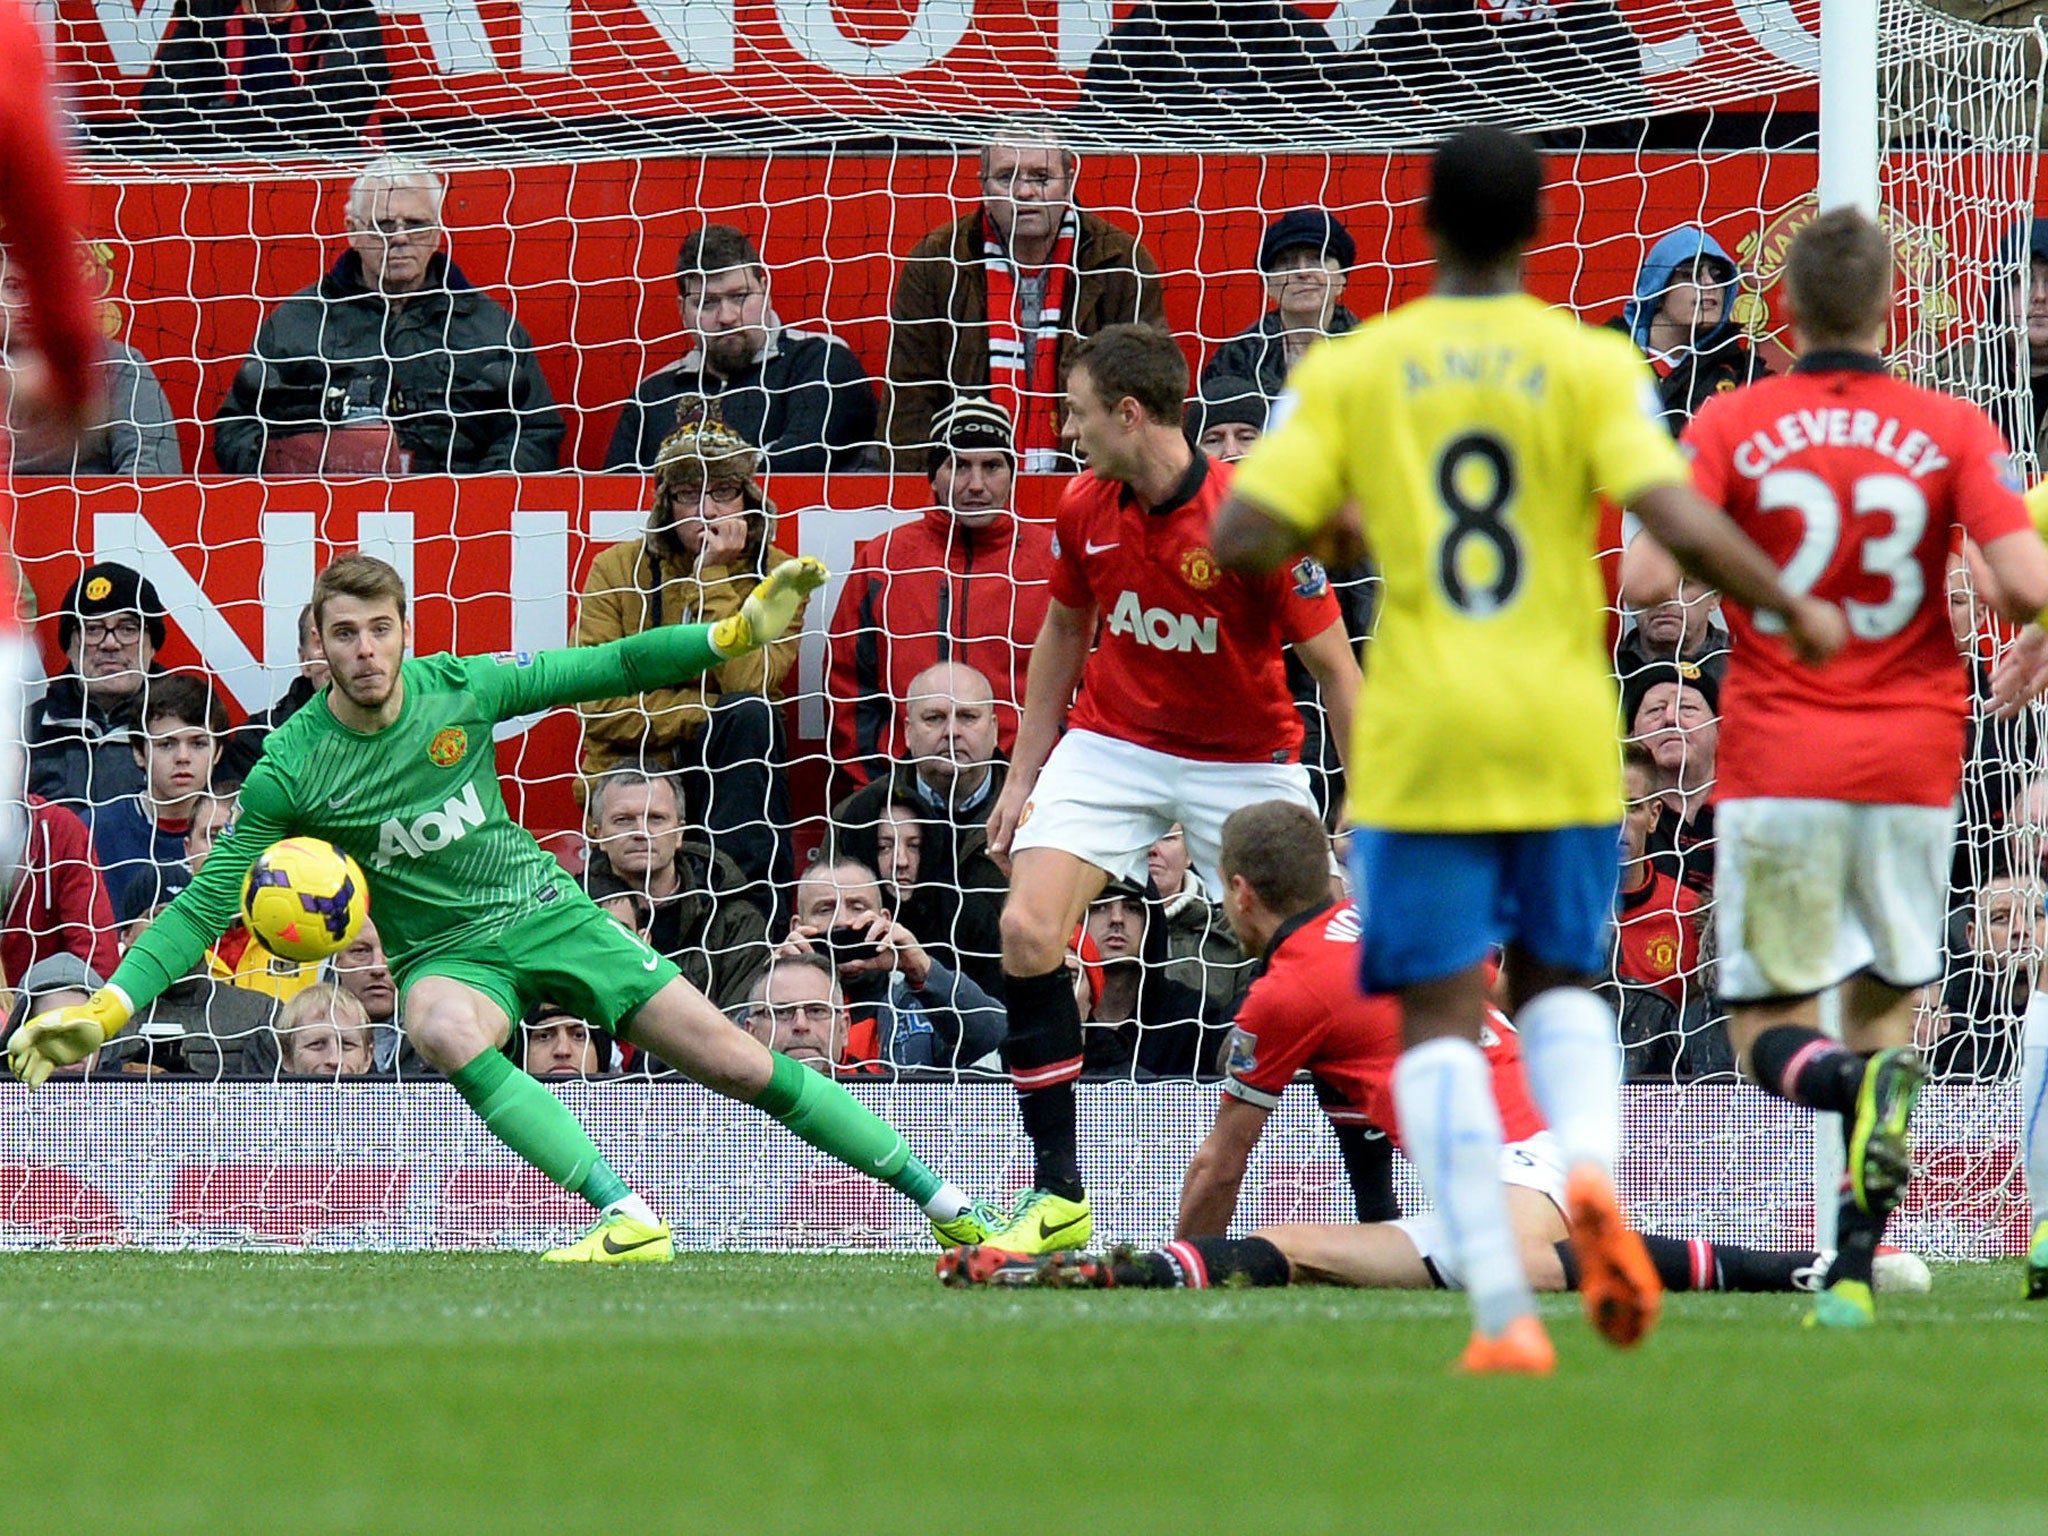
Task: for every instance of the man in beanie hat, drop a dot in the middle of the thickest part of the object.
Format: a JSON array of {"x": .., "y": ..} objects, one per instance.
[
  {"x": 1306, "y": 255},
  {"x": 1227, "y": 417},
  {"x": 1673, "y": 709},
  {"x": 709, "y": 541},
  {"x": 799, "y": 396},
  {"x": 966, "y": 583},
  {"x": 110, "y": 626}
]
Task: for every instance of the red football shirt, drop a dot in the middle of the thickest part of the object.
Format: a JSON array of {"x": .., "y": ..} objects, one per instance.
[
  {"x": 1188, "y": 656},
  {"x": 1657, "y": 936},
  {"x": 1305, "y": 1014},
  {"x": 1854, "y": 483}
]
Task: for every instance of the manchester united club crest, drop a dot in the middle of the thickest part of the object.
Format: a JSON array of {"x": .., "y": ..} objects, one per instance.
[
  {"x": 449, "y": 746},
  {"x": 1662, "y": 953},
  {"x": 1199, "y": 570},
  {"x": 97, "y": 589}
]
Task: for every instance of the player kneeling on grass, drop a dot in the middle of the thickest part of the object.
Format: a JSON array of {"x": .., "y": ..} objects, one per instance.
[
  {"x": 394, "y": 764},
  {"x": 1304, "y": 1013}
]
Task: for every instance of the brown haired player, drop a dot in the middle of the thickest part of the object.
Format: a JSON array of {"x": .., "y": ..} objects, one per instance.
[
  {"x": 1836, "y": 796},
  {"x": 1183, "y": 715}
]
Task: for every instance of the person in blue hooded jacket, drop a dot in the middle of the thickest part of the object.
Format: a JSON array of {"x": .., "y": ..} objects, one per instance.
[{"x": 1682, "y": 316}]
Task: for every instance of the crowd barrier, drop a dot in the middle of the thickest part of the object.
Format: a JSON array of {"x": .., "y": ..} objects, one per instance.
[{"x": 369, "y": 1165}]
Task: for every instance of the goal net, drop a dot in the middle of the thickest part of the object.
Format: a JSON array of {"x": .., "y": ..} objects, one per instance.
[{"x": 580, "y": 145}]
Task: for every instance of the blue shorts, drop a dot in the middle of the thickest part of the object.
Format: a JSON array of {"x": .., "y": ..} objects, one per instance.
[{"x": 1433, "y": 904}]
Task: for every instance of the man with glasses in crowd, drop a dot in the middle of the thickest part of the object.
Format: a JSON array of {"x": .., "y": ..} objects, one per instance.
[
  {"x": 993, "y": 303},
  {"x": 799, "y": 396},
  {"x": 81, "y": 732},
  {"x": 392, "y": 363}
]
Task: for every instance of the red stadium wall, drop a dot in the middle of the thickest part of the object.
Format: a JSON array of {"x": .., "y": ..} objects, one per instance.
[
  {"x": 584, "y": 253},
  {"x": 479, "y": 548},
  {"x": 562, "y": 60}
]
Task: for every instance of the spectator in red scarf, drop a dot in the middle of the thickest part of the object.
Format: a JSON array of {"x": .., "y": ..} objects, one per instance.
[{"x": 993, "y": 303}]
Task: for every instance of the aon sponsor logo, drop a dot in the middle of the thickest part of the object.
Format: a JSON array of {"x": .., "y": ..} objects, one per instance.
[
  {"x": 431, "y": 831},
  {"x": 1161, "y": 629}
]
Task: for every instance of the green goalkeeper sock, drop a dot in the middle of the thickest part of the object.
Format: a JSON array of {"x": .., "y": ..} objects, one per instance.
[
  {"x": 536, "y": 1125},
  {"x": 819, "y": 1111}
]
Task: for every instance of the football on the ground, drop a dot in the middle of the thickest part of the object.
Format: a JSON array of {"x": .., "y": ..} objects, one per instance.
[{"x": 305, "y": 899}]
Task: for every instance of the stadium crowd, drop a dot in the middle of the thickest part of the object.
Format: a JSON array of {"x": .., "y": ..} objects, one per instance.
[{"x": 877, "y": 951}]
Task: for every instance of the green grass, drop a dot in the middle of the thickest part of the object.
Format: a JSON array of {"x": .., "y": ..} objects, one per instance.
[{"x": 741, "y": 1394}]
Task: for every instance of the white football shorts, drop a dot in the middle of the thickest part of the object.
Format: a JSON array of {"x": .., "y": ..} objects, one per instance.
[
  {"x": 1537, "y": 1164},
  {"x": 1108, "y": 801},
  {"x": 1810, "y": 892}
]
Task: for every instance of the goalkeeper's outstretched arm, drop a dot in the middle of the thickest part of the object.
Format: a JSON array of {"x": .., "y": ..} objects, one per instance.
[
  {"x": 653, "y": 659},
  {"x": 168, "y": 948}
]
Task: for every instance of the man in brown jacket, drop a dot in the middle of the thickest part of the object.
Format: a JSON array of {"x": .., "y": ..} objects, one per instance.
[
  {"x": 709, "y": 539},
  {"x": 993, "y": 302}
]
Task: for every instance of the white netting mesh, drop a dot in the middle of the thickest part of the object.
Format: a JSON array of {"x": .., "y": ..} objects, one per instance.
[{"x": 581, "y": 145}]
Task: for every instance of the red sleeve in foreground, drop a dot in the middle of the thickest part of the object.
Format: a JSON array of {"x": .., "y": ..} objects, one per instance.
[
  {"x": 1987, "y": 487},
  {"x": 43, "y": 212}
]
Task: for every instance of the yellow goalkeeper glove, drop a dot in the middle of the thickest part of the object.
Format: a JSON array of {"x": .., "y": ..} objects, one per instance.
[
  {"x": 770, "y": 608},
  {"x": 65, "y": 1035}
]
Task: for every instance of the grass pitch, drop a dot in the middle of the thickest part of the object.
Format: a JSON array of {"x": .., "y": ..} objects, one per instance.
[{"x": 490, "y": 1394}]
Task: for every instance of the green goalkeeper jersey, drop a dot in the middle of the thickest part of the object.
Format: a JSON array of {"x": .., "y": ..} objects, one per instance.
[{"x": 417, "y": 803}]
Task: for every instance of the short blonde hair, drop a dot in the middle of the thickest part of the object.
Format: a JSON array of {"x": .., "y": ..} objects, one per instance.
[{"x": 322, "y": 1003}]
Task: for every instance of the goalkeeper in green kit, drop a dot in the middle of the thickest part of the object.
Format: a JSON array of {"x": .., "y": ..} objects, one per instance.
[{"x": 395, "y": 764}]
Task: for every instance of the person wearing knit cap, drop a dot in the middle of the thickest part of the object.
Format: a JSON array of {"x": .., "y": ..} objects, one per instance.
[
  {"x": 1227, "y": 417},
  {"x": 800, "y": 396},
  {"x": 1673, "y": 708},
  {"x": 110, "y": 627},
  {"x": 966, "y": 582},
  {"x": 1306, "y": 256},
  {"x": 709, "y": 540}
]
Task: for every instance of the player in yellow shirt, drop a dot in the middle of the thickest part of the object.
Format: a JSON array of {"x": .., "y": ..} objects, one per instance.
[{"x": 1470, "y": 433}]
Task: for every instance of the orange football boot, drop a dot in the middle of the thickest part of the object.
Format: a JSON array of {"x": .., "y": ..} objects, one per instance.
[
  {"x": 1520, "y": 1349},
  {"x": 1617, "y": 1281}
]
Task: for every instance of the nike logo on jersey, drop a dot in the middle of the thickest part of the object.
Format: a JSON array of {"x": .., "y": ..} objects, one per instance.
[
  {"x": 650, "y": 962},
  {"x": 336, "y": 802},
  {"x": 1048, "y": 1230},
  {"x": 612, "y": 1245},
  {"x": 1094, "y": 548}
]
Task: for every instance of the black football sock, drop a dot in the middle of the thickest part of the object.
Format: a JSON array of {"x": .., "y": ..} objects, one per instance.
[
  {"x": 1369, "y": 1166},
  {"x": 1042, "y": 1053},
  {"x": 1697, "y": 1265},
  {"x": 1857, "y": 1234},
  {"x": 1803, "y": 1066},
  {"x": 1199, "y": 1263}
]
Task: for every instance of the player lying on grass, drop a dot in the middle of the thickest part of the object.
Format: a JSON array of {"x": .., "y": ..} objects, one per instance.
[
  {"x": 1468, "y": 433},
  {"x": 1304, "y": 1013},
  {"x": 1384, "y": 1256},
  {"x": 395, "y": 764}
]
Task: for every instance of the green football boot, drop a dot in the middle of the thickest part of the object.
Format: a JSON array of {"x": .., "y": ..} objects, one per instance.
[
  {"x": 1880, "y": 1149},
  {"x": 619, "y": 1239}
]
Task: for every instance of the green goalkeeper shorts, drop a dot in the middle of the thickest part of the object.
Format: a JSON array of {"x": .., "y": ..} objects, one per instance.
[{"x": 566, "y": 951}]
